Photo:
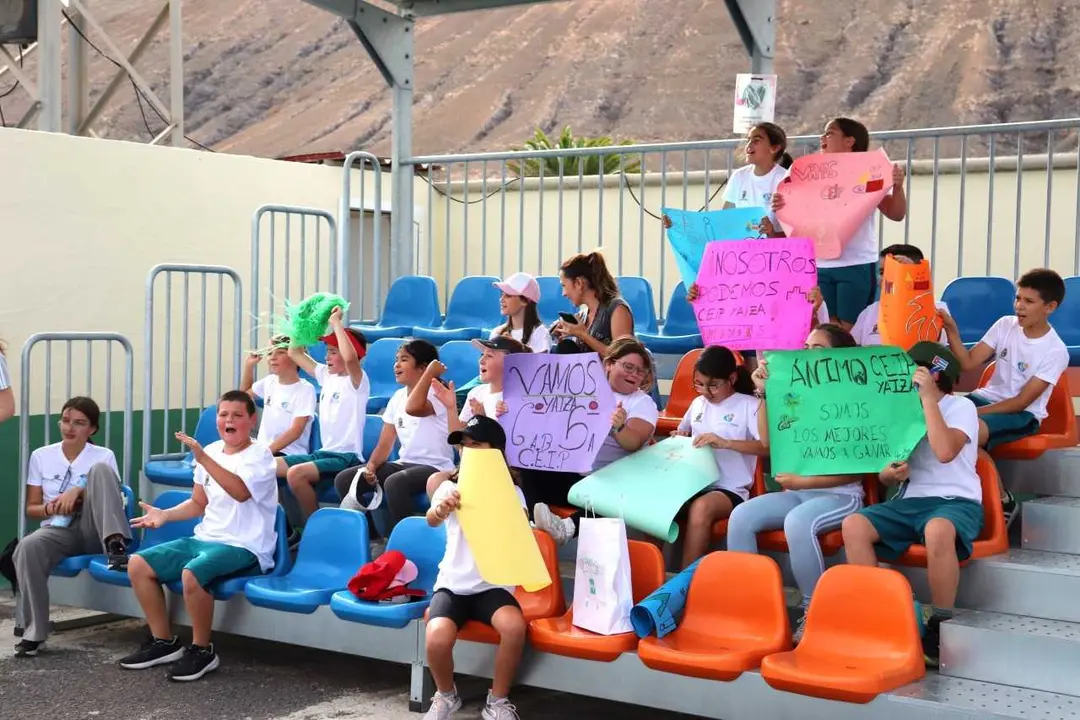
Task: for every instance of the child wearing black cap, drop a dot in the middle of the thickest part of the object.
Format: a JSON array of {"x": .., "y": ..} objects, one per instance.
[
  {"x": 939, "y": 501},
  {"x": 462, "y": 595},
  {"x": 486, "y": 398}
]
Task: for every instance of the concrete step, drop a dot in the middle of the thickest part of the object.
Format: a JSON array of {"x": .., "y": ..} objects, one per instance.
[
  {"x": 1052, "y": 524},
  {"x": 1012, "y": 650},
  {"x": 1055, "y": 473},
  {"x": 1024, "y": 582},
  {"x": 940, "y": 696}
]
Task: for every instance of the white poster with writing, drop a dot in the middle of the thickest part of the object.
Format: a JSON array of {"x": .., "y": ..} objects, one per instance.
[{"x": 755, "y": 101}]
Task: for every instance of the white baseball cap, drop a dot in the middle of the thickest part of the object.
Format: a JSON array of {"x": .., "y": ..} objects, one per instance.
[{"x": 521, "y": 284}]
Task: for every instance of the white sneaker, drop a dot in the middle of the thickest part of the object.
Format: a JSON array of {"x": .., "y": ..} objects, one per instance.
[
  {"x": 501, "y": 709},
  {"x": 560, "y": 529},
  {"x": 443, "y": 706}
]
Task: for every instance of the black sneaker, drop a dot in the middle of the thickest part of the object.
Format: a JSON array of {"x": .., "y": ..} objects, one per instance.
[
  {"x": 294, "y": 540},
  {"x": 27, "y": 648},
  {"x": 154, "y": 652},
  {"x": 116, "y": 550},
  {"x": 1009, "y": 507},
  {"x": 196, "y": 662},
  {"x": 931, "y": 643}
]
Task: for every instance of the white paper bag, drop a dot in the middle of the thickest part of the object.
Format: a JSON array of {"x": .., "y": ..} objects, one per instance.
[{"x": 603, "y": 595}]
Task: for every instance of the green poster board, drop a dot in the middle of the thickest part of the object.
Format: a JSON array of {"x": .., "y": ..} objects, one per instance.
[{"x": 841, "y": 411}]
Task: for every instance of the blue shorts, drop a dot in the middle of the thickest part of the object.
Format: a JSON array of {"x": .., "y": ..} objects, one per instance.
[
  {"x": 1005, "y": 427},
  {"x": 847, "y": 291},
  {"x": 327, "y": 462},
  {"x": 208, "y": 561},
  {"x": 901, "y": 522}
]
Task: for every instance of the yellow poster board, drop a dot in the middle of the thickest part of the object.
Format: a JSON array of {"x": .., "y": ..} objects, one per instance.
[
  {"x": 495, "y": 523},
  {"x": 908, "y": 313}
]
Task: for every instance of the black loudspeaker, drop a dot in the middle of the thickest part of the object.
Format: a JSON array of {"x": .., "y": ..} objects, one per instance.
[{"x": 18, "y": 22}]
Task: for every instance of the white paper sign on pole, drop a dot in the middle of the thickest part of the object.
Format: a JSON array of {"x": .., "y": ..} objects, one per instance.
[{"x": 755, "y": 101}]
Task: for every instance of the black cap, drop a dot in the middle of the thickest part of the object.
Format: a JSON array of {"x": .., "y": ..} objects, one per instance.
[
  {"x": 937, "y": 358},
  {"x": 502, "y": 343},
  {"x": 480, "y": 429}
]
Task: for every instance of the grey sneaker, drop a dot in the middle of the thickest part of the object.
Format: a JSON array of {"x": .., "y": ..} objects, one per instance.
[
  {"x": 800, "y": 626},
  {"x": 443, "y": 706},
  {"x": 501, "y": 709},
  {"x": 561, "y": 529}
]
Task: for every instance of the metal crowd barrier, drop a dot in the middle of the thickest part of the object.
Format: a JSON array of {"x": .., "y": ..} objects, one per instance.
[
  {"x": 70, "y": 342},
  {"x": 376, "y": 273}
]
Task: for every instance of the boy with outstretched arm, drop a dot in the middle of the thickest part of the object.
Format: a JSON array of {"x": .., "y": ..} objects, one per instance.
[{"x": 939, "y": 501}]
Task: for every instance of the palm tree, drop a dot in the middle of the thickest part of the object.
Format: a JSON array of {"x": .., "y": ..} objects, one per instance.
[{"x": 575, "y": 164}]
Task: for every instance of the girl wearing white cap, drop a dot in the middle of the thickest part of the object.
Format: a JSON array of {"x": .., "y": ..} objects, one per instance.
[{"x": 520, "y": 293}]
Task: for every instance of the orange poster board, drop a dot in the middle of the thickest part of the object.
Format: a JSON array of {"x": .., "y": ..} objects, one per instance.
[{"x": 908, "y": 313}]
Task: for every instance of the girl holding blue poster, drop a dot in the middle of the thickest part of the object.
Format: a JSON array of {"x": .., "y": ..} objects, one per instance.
[
  {"x": 724, "y": 416},
  {"x": 753, "y": 184}
]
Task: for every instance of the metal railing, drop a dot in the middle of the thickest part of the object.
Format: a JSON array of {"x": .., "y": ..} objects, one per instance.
[
  {"x": 88, "y": 341},
  {"x": 223, "y": 359},
  {"x": 376, "y": 272},
  {"x": 497, "y": 213}
]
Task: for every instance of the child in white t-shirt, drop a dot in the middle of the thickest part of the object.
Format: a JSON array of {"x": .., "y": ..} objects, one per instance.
[
  {"x": 630, "y": 372},
  {"x": 487, "y": 398},
  {"x": 724, "y": 416},
  {"x": 865, "y": 331},
  {"x": 415, "y": 417},
  {"x": 939, "y": 502},
  {"x": 342, "y": 415},
  {"x": 753, "y": 184},
  {"x": 288, "y": 400},
  {"x": 461, "y": 594},
  {"x": 235, "y": 493},
  {"x": 520, "y": 294}
]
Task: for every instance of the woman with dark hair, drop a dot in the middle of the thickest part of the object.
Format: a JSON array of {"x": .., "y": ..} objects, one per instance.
[
  {"x": 73, "y": 487},
  {"x": 7, "y": 395},
  {"x": 605, "y": 316},
  {"x": 753, "y": 184},
  {"x": 520, "y": 293}
]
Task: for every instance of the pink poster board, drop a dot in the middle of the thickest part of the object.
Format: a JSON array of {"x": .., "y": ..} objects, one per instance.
[
  {"x": 752, "y": 293},
  {"x": 828, "y": 196}
]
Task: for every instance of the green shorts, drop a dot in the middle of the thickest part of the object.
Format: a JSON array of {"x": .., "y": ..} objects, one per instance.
[
  {"x": 208, "y": 561},
  {"x": 1005, "y": 427},
  {"x": 329, "y": 463},
  {"x": 901, "y": 522},
  {"x": 847, "y": 291}
]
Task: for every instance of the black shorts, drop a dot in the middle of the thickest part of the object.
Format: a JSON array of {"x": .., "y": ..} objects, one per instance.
[
  {"x": 480, "y": 607},
  {"x": 735, "y": 499}
]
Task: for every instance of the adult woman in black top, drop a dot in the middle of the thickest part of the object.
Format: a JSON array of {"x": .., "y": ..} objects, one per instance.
[{"x": 605, "y": 316}]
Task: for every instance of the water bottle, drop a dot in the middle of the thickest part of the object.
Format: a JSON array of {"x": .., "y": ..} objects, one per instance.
[{"x": 65, "y": 520}]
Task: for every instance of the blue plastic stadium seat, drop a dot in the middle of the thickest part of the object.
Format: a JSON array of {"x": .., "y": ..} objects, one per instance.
[
  {"x": 461, "y": 359},
  {"x": 413, "y": 301},
  {"x": 637, "y": 292},
  {"x": 976, "y": 303},
  {"x": 225, "y": 588},
  {"x": 335, "y": 544},
  {"x": 424, "y": 546},
  {"x": 679, "y": 334},
  {"x": 552, "y": 301},
  {"x": 181, "y": 473},
  {"x": 1066, "y": 319},
  {"x": 73, "y": 565},
  {"x": 473, "y": 311},
  {"x": 318, "y": 354},
  {"x": 99, "y": 567},
  {"x": 379, "y": 366}
]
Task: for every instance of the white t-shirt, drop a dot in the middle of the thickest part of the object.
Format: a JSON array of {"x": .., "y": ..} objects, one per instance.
[
  {"x": 281, "y": 405},
  {"x": 48, "y": 469},
  {"x": 863, "y": 246},
  {"x": 248, "y": 524},
  {"x": 1020, "y": 358},
  {"x": 865, "y": 329},
  {"x": 457, "y": 571},
  {"x": 733, "y": 418},
  {"x": 5, "y": 378},
  {"x": 423, "y": 439},
  {"x": 483, "y": 395},
  {"x": 342, "y": 411},
  {"x": 746, "y": 189},
  {"x": 639, "y": 405},
  {"x": 539, "y": 339},
  {"x": 957, "y": 479}
]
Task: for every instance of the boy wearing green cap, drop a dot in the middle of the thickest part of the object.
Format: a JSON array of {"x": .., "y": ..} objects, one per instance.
[{"x": 939, "y": 500}]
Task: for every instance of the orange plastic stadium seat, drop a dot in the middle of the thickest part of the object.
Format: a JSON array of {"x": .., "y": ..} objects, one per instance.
[
  {"x": 860, "y": 639},
  {"x": 682, "y": 392},
  {"x": 831, "y": 541},
  {"x": 1058, "y": 429},
  {"x": 559, "y": 636},
  {"x": 544, "y": 603},
  {"x": 719, "y": 528},
  {"x": 994, "y": 538},
  {"x": 734, "y": 616}
]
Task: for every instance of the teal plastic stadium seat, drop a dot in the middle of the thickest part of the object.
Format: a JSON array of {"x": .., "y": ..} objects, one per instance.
[
  {"x": 225, "y": 588},
  {"x": 181, "y": 473},
  {"x": 99, "y": 568},
  {"x": 424, "y": 546},
  {"x": 333, "y": 547},
  {"x": 976, "y": 303},
  {"x": 379, "y": 366},
  {"x": 413, "y": 301},
  {"x": 679, "y": 333},
  {"x": 473, "y": 311},
  {"x": 1066, "y": 319},
  {"x": 637, "y": 292},
  {"x": 461, "y": 359},
  {"x": 73, "y": 565},
  {"x": 552, "y": 302}
]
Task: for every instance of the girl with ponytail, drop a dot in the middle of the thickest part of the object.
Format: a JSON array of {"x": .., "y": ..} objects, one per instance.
[{"x": 604, "y": 316}]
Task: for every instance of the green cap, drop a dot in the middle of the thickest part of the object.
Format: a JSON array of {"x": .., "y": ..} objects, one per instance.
[{"x": 937, "y": 357}]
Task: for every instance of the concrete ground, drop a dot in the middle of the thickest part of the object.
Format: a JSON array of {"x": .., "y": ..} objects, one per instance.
[{"x": 75, "y": 676}]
